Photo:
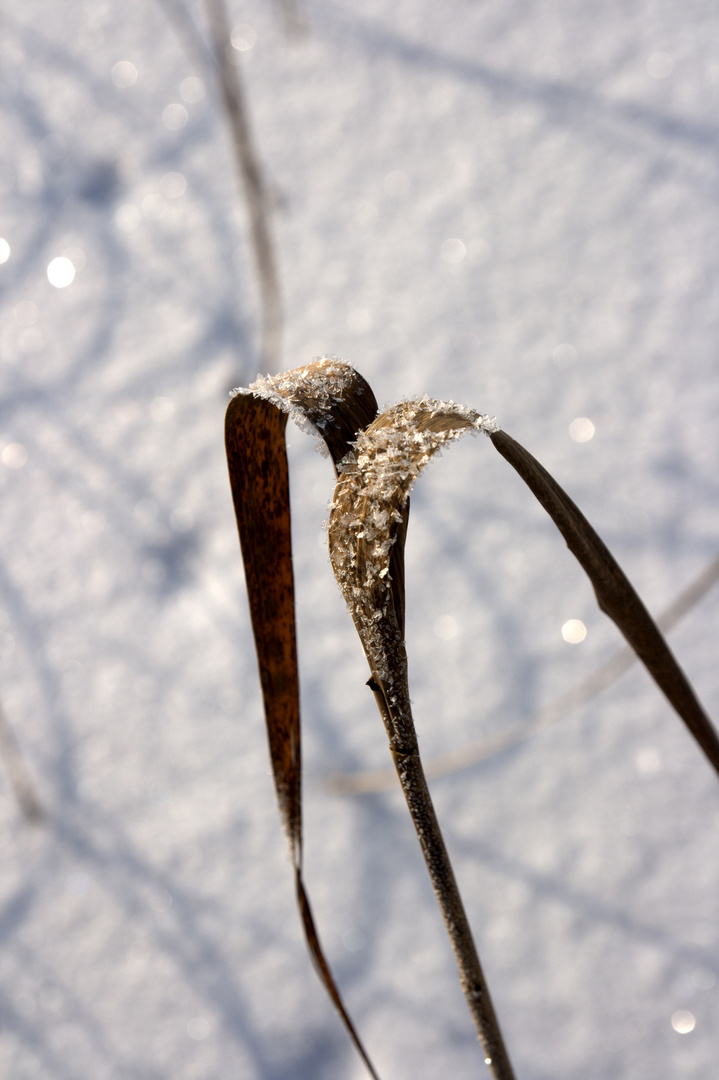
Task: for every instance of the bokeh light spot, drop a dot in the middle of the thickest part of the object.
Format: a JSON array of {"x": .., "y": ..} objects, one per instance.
[
  {"x": 153, "y": 206},
  {"x": 4, "y": 250},
  {"x": 564, "y": 355},
  {"x": 14, "y": 455},
  {"x": 453, "y": 251},
  {"x": 174, "y": 117},
  {"x": 127, "y": 217},
  {"x": 446, "y": 627},
  {"x": 198, "y": 1028},
  {"x": 581, "y": 429},
  {"x": 574, "y": 631},
  {"x": 648, "y": 761},
  {"x": 161, "y": 901},
  {"x": 683, "y": 1021},
  {"x": 243, "y": 37},
  {"x": 60, "y": 272},
  {"x": 353, "y": 940},
  {"x": 192, "y": 89},
  {"x": 124, "y": 74}
]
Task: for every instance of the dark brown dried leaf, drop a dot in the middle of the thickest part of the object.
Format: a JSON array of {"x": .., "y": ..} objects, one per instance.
[
  {"x": 615, "y": 595},
  {"x": 257, "y": 461}
]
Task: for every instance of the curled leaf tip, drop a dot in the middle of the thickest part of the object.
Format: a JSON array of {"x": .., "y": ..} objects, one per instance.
[
  {"x": 368, "y": 515},
  {"x": 326, "y": 398}
]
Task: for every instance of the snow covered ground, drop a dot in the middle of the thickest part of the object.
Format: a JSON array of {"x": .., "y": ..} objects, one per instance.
[{"x": 509, "y": 204}]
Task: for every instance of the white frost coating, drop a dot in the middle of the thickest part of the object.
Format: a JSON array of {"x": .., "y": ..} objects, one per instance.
[
  {"x": 307, "y": 394},
  {"x": 263, "y": 388},
  {"x": 375, "y": 480}
]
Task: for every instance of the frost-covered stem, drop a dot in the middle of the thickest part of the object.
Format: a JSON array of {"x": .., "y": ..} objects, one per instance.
[
  {"x": 366, "y": 532},
  {"x": 405, "y": 754}
]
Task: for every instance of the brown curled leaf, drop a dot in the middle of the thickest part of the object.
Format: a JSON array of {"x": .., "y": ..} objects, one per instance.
[
  {"x": 367, "y": 525},
  {"x": 326, "y": 398},
  {"x": 332, "y": 398}
]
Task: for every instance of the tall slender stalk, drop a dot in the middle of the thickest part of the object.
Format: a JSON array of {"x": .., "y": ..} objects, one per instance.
[
  {"x": 419, "y": 802},
  {"x": 366, "y": 532},
  {"x": 253, "y": 184},
  {"x": 219, "y": 62}
]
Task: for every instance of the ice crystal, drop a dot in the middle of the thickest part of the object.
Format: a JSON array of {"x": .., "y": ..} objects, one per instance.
[
  {"x": 327, "y": 399},
  {"x": 367, "y": 512},
  {"x": 377, "y": 459}
]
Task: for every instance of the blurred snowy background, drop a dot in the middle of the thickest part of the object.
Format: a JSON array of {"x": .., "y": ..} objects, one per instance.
[{"x": 509, "y": 204}]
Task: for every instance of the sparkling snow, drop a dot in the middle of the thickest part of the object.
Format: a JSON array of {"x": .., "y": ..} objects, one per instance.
[{"x": 511, "y": 206}]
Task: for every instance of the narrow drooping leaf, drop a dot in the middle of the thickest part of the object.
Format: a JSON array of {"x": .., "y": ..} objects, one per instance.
[
  {"x": 257, "y": 459},
  {"x": 464, "y": 757},
  {"x": 615, "y": 595}
]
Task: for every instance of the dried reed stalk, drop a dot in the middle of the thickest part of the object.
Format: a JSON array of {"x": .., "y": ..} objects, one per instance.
[
  {"x": 377, "y": 459},
  {"x": 219, "y": 62},
  {"x": 255, "y": 189}
]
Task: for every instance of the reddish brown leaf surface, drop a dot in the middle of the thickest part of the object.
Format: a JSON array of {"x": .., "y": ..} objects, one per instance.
[{"x": 257, "y": 461}]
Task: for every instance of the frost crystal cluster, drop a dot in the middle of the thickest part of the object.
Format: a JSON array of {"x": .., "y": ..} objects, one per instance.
[
  {"x": 377, "y": 460},
  {"x": 367, "y": 517},
  {"x": 327, "y": 398}
]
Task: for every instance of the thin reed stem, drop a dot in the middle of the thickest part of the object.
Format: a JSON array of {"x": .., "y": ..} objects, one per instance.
[
  {"x": 253, "y": 184},
  {"x": 471, "y": 977},
  {"x": 219, "y": 62}
]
